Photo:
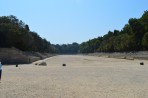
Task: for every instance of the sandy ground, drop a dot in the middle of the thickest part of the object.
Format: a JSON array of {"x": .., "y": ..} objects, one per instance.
[{"x": 83, "y": 77}]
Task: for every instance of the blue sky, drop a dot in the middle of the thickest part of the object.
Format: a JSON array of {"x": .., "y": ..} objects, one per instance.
[{"x": 67, "y": 21}]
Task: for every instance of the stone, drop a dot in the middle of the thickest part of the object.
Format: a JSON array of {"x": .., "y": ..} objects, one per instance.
[
  {"x": 42, "y": 64},
  {"x": 64, "y": 64},
  {"x": 141, "y": 63}
]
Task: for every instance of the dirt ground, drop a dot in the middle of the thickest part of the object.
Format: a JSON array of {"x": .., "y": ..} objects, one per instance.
[{"x": 83, "y": 77}]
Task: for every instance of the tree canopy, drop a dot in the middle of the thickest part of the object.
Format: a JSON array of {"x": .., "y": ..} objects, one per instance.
[
  {"x": 133, "y": 37},
  {"x": 15, "y": 33},
  {"x": 67, "y": 48}
]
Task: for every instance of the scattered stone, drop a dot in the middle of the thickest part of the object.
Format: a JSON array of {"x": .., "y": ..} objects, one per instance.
[
  {"x": 64, "y": 64},
  {"x": 141, "y": 63},
  {"x": 42, "y": 64},
  {"x": 16, "y": 65},
  {"x": 36, "y": 63}
]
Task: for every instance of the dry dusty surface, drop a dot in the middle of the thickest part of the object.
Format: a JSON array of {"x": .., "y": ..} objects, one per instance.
[{"x": 83, "y": 77}]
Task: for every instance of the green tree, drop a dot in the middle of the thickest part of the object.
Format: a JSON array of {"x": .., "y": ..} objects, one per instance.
[
  {"x": 145, "y": 41},
  {"x": 138, "y": 32},
  {"x": 15, "y": 33}
]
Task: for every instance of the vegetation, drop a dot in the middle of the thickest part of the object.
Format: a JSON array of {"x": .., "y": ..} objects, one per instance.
[
  {"x": 67, "y": 48},
  {"x": 15, "y": 33},
  {"x": 133, "y": 37}
]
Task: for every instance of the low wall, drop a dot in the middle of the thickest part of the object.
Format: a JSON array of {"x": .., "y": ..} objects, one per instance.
[
  {"x": 15, "y": 56},
  {"x": 12, "y": 56},
  {"x": 124, "y": 55}
]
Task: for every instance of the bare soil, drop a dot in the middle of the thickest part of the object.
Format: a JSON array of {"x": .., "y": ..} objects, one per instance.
[{"x": 82, "y": 77}]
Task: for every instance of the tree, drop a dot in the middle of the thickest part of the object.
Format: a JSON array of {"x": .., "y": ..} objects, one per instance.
[
  {"x": 27, "y": 28},
  {"x": 144, "y": 20},
  {"x": 132, "y": 37},
  {"x": 145, "y": 41},
  {"x": 138, "y": 32},
  {"x": 15, "y": 33}
]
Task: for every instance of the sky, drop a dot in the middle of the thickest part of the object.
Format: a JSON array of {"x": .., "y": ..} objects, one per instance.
[{"x": 68, "y": 21}]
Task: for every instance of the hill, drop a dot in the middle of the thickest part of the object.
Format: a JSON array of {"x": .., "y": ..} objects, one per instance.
[
  {"x": 15, "y": 33},
  {"x": 133, "y": 37}
]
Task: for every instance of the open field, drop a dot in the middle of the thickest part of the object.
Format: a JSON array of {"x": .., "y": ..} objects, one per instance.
[{"x": 83, "y": 77}]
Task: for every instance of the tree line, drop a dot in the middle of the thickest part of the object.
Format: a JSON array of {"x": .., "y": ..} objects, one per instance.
[
  {"x": 15, "y": 33},
  {"x": 67, "y": 48},
  {"x": 133, "y": 37}
]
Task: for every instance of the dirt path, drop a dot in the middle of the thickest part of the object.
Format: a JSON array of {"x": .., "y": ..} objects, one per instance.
[{"x": 83, "y": 77}]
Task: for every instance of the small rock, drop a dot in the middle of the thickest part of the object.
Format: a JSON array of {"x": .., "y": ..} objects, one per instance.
[
  {"x": 16, "y": 65},
  {"x": 36, "y": 63},
  {"x": 64, "y": 64},
  {"x": 42, "y": 64},
  {"x": 141, "y": 63}
]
